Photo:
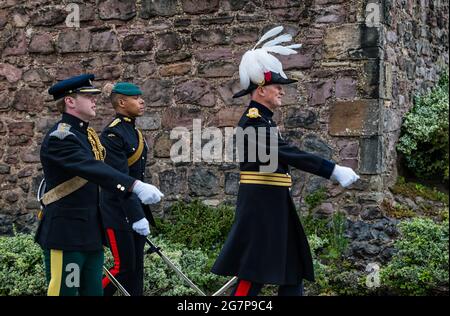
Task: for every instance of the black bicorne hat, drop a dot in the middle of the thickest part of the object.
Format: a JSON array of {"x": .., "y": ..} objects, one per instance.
[
  {"x": 269, "y": 78},
  {"x": 259, "y": 67}
]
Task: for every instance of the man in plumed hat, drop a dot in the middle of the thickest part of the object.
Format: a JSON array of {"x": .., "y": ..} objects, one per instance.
[
  {"x": 267, "y": 243},
  {"x": 70, "y": 230},
  {"x": 126, "y": 221}
]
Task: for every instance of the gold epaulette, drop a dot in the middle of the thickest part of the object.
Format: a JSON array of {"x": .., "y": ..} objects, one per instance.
[
  {"x": 253, "y": 113},
  {"x": 115, "y": 122}
]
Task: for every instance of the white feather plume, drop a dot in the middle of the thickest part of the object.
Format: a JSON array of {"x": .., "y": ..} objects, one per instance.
[
  {"x": 278, "y": 40},
  {"x": 280, "y": 50},
  {"x": 257, "y": 61},
  {"x": 294, "y": 46},
  {"x": 271, "y": 33}
]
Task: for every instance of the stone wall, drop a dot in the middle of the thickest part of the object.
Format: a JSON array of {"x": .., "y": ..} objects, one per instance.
[
  {"x": 415, "y": 52},
  {"x": 355, "y": 83}
]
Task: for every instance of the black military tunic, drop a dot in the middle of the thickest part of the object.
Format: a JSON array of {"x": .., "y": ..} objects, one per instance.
[
  {"x": 121, "y": 141},
  {"x": 73, "y": 222},
  {"x": 267, "y": 243}
]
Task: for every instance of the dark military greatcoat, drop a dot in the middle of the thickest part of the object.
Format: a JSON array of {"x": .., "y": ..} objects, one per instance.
[
  {"x": 73, "y": 222},
  {"x": 267, "y": 243}
]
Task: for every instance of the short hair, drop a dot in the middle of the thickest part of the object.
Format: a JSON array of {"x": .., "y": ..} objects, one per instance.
[
  {"x": 114, "y": 98},
  {"x": 61, "y": 103}
]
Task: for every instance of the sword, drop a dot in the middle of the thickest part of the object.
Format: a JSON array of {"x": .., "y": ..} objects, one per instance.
[
  {"x": 115, "y": 282},
  {"x": 153, "y": 249},
  {"x": 225, "y": 287}
]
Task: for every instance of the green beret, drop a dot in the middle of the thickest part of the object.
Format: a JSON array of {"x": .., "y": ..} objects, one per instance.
[{"x": 126, "y": 88}]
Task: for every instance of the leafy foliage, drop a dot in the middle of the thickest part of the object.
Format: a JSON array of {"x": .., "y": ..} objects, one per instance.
[
  {"x": 315, "y": 198},
  {"x": 330, "y": 231},
  {"x": 419, "y": 265},
  {"x": 161, "y": 280},
  {"x": 421, "y": 262},
  {"x": 21, "y": 266},
  {"x": 424, "y": 140},
  {"x": 197, "y": 225}
]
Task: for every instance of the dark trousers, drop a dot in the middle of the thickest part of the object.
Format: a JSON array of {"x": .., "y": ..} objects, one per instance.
[
  {"x": 248, "y": 288},
  {"x": 127, "y": 249},
  {"x": 73, "y": 273}
]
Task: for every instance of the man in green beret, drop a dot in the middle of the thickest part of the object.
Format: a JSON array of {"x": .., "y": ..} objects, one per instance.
[
  {"x": 126, "y": 221},
  {"x": 70, "y": 230}
]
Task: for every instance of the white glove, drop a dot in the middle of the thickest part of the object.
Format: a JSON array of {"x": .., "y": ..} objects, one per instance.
[
  {"x": 141, "y": 227},
  {"x": 344, "y": 175},
  {"x": 147, "y": 193}
]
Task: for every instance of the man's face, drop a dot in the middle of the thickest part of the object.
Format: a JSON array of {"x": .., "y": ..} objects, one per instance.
[
  {"x": 83, "y": 106},
  {"x": 272, "y": 95},
  {"x": 134, "y": 105}
]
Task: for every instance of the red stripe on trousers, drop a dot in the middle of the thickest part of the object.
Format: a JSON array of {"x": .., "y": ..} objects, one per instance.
[
  {"x": 115, "y": 252},
  {"x": 243, "y": 288}
]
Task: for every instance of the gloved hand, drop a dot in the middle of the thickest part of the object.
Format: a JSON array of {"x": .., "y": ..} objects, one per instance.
[
  {"x": 344, "y": 175},
  {"x": 147, "y": 193},
  {"x": 141, "y": 227}
]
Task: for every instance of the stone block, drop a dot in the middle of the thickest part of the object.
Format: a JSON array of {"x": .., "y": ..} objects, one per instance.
[
  {"x": 137, "y": 42},
  {"x": 199, "y": 7},
  {"x": 228, "y": 116},
  {"x": 319, "y": 92},
  {"x": 197, "y": 91},
  {"x": 354, "y": 118},
  {"x": 42, "y": 44},
  {"x": 152, "y": 8},
  {"x": 297, "y": 117},
  {"x": 177, "y": 69},
  {"x": 157, "y": 92},
  {"x": 73, "y": 41},
  {"x": 203, "y": 182},
  {"x": 117, "y": 9},
  {"x": 104, "y": 41},
  {"x": 370, "y": 155}
]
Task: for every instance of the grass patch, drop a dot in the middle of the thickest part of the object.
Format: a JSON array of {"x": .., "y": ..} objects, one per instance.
[{"x": 412, "y": 190}]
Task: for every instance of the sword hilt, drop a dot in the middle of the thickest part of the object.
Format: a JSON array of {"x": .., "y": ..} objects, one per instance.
[{"x": 153, "y": 249}]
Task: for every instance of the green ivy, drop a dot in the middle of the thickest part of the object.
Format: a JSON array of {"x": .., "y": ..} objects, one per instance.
[{"x": 424, "y": 139}]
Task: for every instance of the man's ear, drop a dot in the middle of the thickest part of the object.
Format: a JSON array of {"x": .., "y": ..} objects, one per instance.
[
  {"x": 260, "y": 91},
  {"x": 70, "y": 102},
  {"x": 121, "y": 102}
]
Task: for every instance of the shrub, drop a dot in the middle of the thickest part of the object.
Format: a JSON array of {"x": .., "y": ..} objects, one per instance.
[
  {"x": 424, "y": 140},
  {"x": 197, "y": 225},
  {"x": 21, "y": 266},
  {"x": 337, "y": 277},
  {"x": 161, "y": 280},
  {"x": 315, "y": 198},
  {"x": 421, "y": 260},
  {"x": 330, "y": 231},
  {"x": 22, "y": 269}
]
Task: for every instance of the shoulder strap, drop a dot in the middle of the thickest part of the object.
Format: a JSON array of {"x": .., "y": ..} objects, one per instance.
[{"x": 137, "y": 154}]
